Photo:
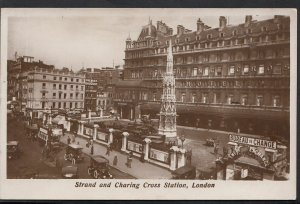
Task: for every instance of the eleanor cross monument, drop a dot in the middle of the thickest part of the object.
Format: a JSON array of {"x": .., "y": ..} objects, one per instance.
[{"x": 167, "y": 120}]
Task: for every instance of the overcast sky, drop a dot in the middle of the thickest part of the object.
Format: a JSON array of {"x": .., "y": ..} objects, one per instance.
[{"x": 94, "y": 40}]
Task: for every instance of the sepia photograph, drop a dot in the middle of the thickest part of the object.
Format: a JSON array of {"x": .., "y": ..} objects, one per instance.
[{"x": 144, "y": 99}]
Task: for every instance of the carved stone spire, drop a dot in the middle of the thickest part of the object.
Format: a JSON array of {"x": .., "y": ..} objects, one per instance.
[{"x": 167, "y": 122}]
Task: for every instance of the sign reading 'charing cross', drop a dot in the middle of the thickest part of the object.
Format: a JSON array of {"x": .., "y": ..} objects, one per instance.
[{"x": 252, "y": 141}]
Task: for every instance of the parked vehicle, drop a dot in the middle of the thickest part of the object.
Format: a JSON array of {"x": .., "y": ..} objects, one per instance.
[
  {"x": 74, "y": 153},
  {"x": 185, "y": 172},
  {"x": 99, "y": 167},
  {"x": 69, "y": 172},
  {"x": 210, "y": 142},
  {"x": 13, "y": 150}
]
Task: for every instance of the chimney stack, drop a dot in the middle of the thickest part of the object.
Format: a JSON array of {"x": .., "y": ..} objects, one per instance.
[
  {"x": 180, "y": 30},
  {"x": 222, "y": 22},
  {"x": 200, "y": 25},
  {"x": 248, "y": 20}
]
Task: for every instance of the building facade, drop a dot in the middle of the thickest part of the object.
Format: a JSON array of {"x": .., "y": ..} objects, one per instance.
[
  {"x": 233, "y": 77},
  {"x": 97, "y": 95},
  {"x": 54, "y": 89},
  {"x": 16, "y": 77}
]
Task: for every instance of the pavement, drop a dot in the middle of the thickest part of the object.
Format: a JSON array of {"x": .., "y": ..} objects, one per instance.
[{"x": 138, "y": 169}]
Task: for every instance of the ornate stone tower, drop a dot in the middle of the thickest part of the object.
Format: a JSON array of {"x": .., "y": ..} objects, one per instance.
[{"x": 167, "y": 120}]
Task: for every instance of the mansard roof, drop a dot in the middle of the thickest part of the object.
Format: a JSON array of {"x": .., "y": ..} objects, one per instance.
[
  {"x": 148, "y": 30},
  {"x": 255, "y": 28}
]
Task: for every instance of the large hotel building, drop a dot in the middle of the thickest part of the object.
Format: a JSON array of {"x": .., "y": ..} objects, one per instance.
[{"x": 233, "y": 77}]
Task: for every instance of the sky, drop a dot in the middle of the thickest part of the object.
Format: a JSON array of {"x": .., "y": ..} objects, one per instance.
[{"x": 95, "y": 38}]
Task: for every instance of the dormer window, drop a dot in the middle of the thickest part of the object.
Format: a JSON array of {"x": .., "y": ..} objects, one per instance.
[
  {"x": 264, "y": 29},
  {"x": 177, "y": 41},
  {"x": 209, "y": 36},
  {"x": 249, "y": 31},
  {"x": 187, "y": 39},
  {"x": 198, "y": 38},
  {"x": 221, "y": 35},
  {"x": 280, "y": 26}
]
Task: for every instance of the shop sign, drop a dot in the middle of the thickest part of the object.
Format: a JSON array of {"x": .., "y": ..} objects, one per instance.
[
  {"x": 159, "y": 155},
  {"x": 252, "y": 141},
  {"x": 136, "y": 147},
  {"x": 45, "y": 131},
  {"x": 260, "y": 155},
  {"x": 88, "y": 131}
]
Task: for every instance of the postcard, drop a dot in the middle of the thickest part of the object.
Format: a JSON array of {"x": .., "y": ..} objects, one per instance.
[{"x": 143, "y": 103}]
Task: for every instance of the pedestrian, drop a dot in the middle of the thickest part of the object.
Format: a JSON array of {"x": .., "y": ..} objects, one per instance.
[
  {"x": 115, "y": 161},
  {"x": 75, "y": 134},
  {"x": 129, "y": 160},
  {"x": 142, "y": 158},
  {"x": 216, "y": 148},
  {"x": 225, "y": 151},
  {"x": 92, "y": 149},
  {"x": 108, "y": 150},
  {"x": 69, "y": 140}
]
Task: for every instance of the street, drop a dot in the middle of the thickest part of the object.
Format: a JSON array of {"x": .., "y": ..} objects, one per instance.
[{"x": 31, "y": 160}]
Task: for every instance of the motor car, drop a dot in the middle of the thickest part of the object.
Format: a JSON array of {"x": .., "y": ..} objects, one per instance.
[
  {"x": 13, "y": 150},
  {"x": 210, "y": 142},
  {"x": 74, "y": 153},
  {"x": 70, "y": 172},
  {"x": 99, "y": 167},
  {"x": 185, "y": 172}
]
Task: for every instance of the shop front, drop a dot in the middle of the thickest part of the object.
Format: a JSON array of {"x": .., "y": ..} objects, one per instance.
[{"x": 252, "y": 159}]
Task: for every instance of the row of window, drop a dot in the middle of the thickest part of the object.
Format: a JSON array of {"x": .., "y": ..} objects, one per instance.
[
  {"x": 259, "y": 100},
  {"x": 63, "y": 78},
  {"x": 215, "y": 57},
  {"x": 63, "y": 95},
  {"x": 60, "y": 86},
  {"x": 212, "y": 44},
  {"x": 218, "y": 71},
  {"x": 68, "y": 105}
]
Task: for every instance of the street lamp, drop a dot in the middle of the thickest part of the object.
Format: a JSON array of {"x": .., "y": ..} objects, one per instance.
[{"x": 182, "y": 139}]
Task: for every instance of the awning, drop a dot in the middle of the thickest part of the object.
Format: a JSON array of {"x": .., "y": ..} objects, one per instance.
[
  {"x": 248, "y": 161},
  {"x": 59, "y": 119}
]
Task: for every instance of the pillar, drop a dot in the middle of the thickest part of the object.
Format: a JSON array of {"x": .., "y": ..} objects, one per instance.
[
  {"x": 124, "y": 141},
  {"x": 79, "y": 128},
  {"x": 50, "y": 119},
  {"x": 68, "y": 124},
  {"x": 181, "y": 158},
  {"x": 95, "y": 131},
  {"x": 89, "y": 114},
  {"x": 146, "y": 149},
  {"x": 101, "y": 112},
  {"x": 173, "y": 158},
  {"x": 44, "y": 118},
  {"x": 121, "y": 113},
  {"x": 111, "y": 137},
  {"x": 131, "y": 113}
]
